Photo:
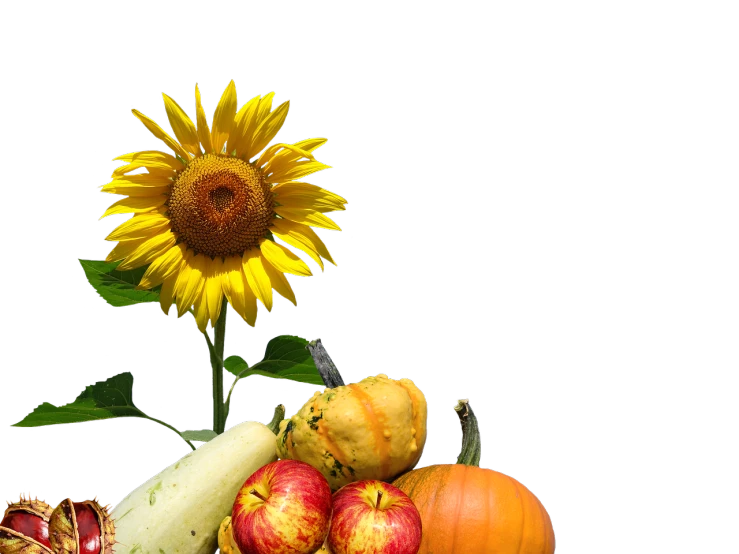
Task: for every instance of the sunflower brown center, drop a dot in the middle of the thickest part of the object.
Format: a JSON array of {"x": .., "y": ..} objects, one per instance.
[{"x": 220, "y": 206}]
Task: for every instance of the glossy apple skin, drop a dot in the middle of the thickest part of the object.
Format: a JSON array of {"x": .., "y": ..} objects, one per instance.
[
  {"x": 295, "y": 517},
  {"x": 359, "y": 526},
  {"x": 29, "y": 525}
]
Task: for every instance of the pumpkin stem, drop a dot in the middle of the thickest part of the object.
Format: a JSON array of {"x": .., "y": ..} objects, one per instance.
[
  {"x": 274, "y": 425},
  {"x": 470, "y": 454},
  {"x": 330, "y": 375}
]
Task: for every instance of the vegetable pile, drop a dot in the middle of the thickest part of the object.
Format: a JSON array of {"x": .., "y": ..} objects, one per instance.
[{"x": 329, "y": 492}]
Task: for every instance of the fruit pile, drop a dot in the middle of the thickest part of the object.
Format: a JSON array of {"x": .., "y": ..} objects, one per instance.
[
  {"x": 287, "y": 506},
  {"x": 345, "y": 484}
]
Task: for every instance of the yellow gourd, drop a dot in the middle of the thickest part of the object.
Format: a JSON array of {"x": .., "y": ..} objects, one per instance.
[{"x": 374, "y": 429}]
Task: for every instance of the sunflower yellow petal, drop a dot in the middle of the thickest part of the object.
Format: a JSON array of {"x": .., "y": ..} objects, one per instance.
[
  {"x": 270, "y": 127},
  {"x": 135, "y": 205},
  {"x": 182, "y": 125},
  {"x": 203, "y": 130},
  {"x": 242, "y": 125},
  {"x": 311, "y": 144},
  {"x": 122, "y": 170},
  {"x": 123, "y": 249},
  {"x": 308, "y": 217},
  {"x": 152, "y": 159},
  {"x": 295, "y": 187},
  {"x": 148, "y": 251},
  {"x": 280, "y": 162},
  {"x": 262, "y": 112},
  {"x": 307, "y": 248},
  {"x": 265, "y": 106},
  {"x": 134, "y": 190},
  {"x": 303, "y": 237},
  {"x": 194, "y": 285},
  {"x": 237, "y": 290},
  {"x": 140, "y": 226},
  {"x": 279, "y": 282},
  {"x": 257, "y": 278},
  {"x": 250, "y": 304},
  {"x": 201, "y": 312},
  {"x": 162, "y": 268},
  {"x": 310, "y": 201},
  {"x": 213, "y": 288},
  {"x": 143, "y": 180},
  {"x": 159, "y": 133},
  {"x": 296, "y": 170},
  {"x": 181, "y": 283},
  {"x": 283, "y": 259},
  {"x": 167, "y": 291},
  {"x": 305, "y": 202},
  {"x": 231, "y": 263},
  {"x": 223, "y": 118},
  {"x": 281, "y": 154}
]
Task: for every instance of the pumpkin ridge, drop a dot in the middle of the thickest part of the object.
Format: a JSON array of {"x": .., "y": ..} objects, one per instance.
[
  {"x": 460, "y": 504},
  {"x": 328, "y": 444},
  {"x": 437, "y": 508},
  {"x": 418, "y": 418},
  {"x": 381, "y": 444}
]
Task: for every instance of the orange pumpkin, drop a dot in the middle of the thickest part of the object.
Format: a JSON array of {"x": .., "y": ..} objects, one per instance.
[{"x": 466, "y": 509}]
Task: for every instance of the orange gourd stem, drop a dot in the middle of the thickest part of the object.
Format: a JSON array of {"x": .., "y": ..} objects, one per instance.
[{"x": 470, "y": 454}]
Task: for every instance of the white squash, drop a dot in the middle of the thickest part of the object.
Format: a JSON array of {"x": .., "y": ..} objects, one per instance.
[{"x": 179, "y": 510}]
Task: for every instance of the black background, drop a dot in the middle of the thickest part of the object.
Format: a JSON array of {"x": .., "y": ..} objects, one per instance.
[{"x": 436, "y": 287}]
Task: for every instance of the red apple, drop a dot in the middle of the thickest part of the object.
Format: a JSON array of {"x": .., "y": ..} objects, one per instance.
[
  {"x": 372, "y": 517},
  {"x": 284, "y": 507}
]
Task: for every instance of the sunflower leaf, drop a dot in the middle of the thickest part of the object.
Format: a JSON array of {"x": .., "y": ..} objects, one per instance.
[
  {"x": 286, "y": 357},
  {"x": 235, "y": 364},
  {"x": 118, "y": 288},
  {"x": 201, "y": 436},
  {"x": 103, "y": 400}
]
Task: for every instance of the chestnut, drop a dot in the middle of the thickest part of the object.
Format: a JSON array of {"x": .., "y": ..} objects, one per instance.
[
  {"x": 25, "y": 528},
  {"x": 81, "y": 528}
]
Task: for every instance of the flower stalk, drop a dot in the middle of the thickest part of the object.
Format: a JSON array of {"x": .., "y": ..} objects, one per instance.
[{"x": 216, "y": 362}]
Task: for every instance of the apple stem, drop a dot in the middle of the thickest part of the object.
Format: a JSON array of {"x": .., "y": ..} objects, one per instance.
[
  {"x": 255, "y": 492},
  {"x": 379, "y": 497}
]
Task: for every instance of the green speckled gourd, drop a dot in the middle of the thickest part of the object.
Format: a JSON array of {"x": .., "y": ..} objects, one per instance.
[{"x": 374, "y": 429}]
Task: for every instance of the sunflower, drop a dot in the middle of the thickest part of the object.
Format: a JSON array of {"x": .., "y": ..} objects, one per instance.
[{"x": 206, "y": 219}]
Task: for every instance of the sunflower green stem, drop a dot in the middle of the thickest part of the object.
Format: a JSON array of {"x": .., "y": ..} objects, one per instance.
[
  {"x": 215, "y": 348},
  {"x": 168, "y": 426},
  {"x": 227, "y": 407}
]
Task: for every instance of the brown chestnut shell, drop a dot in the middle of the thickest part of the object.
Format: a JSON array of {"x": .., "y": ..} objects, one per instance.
[
  {"x": 35, "y": 506},
  {"x": 64, "y": 533},
  {"x": 14, "y": 542}
]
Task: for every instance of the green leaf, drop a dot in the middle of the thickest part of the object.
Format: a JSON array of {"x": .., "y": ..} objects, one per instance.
[
  {"x": 118, "y": 288},
  {"x": 286, "y": 358},
  {"x": 201, "y": 436},
  {"x": 235, "y": 364},
  {"x": 103, "y": 400}
]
